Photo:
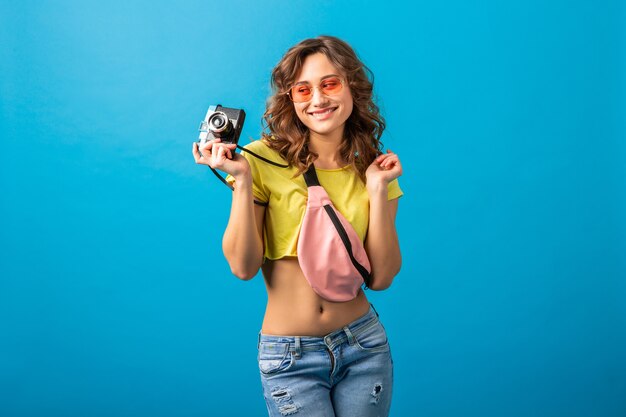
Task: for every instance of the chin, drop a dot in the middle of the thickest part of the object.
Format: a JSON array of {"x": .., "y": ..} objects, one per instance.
[{"x": 324, "y": 130}]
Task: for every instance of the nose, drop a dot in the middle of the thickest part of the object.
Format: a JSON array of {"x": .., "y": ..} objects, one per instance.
[{"x": 318, "y": 97}]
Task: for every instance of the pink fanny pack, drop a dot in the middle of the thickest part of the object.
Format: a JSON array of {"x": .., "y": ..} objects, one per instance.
[{"x": 330, "y": 252}]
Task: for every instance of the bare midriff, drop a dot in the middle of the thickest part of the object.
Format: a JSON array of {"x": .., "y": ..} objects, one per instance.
[{"x": 294, "y": 309}]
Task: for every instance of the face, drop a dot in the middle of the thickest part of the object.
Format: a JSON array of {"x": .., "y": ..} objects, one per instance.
[{"x": 324, "y": 114}]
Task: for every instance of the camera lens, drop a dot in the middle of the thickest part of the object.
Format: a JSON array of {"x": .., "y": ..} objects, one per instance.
[{"x": 219, "y": 123}]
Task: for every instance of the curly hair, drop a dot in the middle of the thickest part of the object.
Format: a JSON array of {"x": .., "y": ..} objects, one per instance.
[{"x": 289, "y": 136}]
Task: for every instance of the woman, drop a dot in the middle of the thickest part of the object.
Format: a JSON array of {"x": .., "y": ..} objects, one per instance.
[{"x": 316, "y": 357}]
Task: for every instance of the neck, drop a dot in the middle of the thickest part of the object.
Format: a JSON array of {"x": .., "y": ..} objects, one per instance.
[{"x": 327, "y": 149}]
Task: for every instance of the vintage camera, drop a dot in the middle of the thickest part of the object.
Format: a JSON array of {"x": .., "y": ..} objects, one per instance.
[{"x": 223, "y": 123}]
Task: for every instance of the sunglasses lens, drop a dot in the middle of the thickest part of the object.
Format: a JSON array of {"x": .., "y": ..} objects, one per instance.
[
  {"x": 301, "y": 93},
  {"x": 331, "y": 86}
]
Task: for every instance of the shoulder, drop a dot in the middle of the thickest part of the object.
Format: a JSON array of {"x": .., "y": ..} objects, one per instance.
[
  {"x": 257, "y": 146},
  {"x": 266, "y": 163},
  {"x": 261, "y": 147}
]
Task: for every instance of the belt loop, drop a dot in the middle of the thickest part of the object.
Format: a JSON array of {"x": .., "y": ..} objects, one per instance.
[
  {"x": 350, "y": 335},
  {"x": 374, "y": 310},
  {"x": 298, "y": 350},
  {"x": 258, "y": 343}
]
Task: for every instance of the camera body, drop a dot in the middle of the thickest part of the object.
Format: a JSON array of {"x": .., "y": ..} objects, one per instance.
[{"x": 222, "y": 123}]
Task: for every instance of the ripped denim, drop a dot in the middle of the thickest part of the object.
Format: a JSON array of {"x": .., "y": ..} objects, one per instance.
[{"x": 347, "y": 373}]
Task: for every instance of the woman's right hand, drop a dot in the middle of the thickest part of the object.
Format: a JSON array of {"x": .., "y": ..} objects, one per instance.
[{"x": 221, "y": 156}]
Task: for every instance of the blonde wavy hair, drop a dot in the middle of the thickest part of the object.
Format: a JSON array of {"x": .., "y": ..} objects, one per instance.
[{"x": 286, "y": 134}]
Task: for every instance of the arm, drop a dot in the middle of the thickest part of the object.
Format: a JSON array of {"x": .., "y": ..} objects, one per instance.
[
  {"x": 382, "y": 244},
  {"x": 242, "y": 243}
]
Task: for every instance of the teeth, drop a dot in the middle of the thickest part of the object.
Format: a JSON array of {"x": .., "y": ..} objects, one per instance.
[{"x": 324, "y": 113}]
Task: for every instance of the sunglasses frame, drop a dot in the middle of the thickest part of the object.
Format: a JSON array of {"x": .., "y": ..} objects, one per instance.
[{"x": 341, "y": 81}]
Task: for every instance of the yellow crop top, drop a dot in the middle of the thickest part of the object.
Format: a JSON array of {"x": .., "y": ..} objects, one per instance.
[{"x": 286, "y": 198}]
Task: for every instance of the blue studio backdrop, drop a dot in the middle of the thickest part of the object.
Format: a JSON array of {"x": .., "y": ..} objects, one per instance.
[{"x": 509, "y": 118}]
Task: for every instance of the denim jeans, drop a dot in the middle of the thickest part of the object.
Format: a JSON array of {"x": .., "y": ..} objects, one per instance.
[{"x": 347, "y": 373}]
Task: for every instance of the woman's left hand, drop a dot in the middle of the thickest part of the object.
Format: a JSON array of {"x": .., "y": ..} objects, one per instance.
[{"x": 384, "y": 169}]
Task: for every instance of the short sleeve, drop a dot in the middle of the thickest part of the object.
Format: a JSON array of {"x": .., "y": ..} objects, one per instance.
[
  {"x": 258, "y": 190},
  {"x": 394, "y": 190}
]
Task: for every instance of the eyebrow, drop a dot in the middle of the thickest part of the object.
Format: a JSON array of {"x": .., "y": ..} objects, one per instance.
[{"x": 321, "y": 79}]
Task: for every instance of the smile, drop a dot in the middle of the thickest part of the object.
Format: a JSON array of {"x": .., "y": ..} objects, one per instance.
[{"x": 322, "y": 114}]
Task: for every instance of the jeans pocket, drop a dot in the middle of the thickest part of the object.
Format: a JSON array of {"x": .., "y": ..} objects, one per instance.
[
  {"x": 274, "y": 357},
  {"x": 373, "y": 338}
]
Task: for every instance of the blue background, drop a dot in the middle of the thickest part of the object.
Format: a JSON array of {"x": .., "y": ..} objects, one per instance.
[{"x": 115, "y": 299}]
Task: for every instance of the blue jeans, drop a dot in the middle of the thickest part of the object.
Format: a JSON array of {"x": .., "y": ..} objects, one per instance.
[{"x": 347, "y": 373}]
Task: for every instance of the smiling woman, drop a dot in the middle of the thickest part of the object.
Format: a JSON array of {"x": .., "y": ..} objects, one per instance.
[{"x": 322, "y": 350}]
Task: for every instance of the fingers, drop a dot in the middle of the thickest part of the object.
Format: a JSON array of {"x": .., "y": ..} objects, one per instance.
[
  {"x": 206, "y": 150},
  {"x": 201, "y": 155},
  {"x": 213, "y": 152},
  {"x": 195, "y": 151},
  {"x": 388, "y": 160},
  {"x": 218, "y": 154},
  {"x": 221, "y": 156}
]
